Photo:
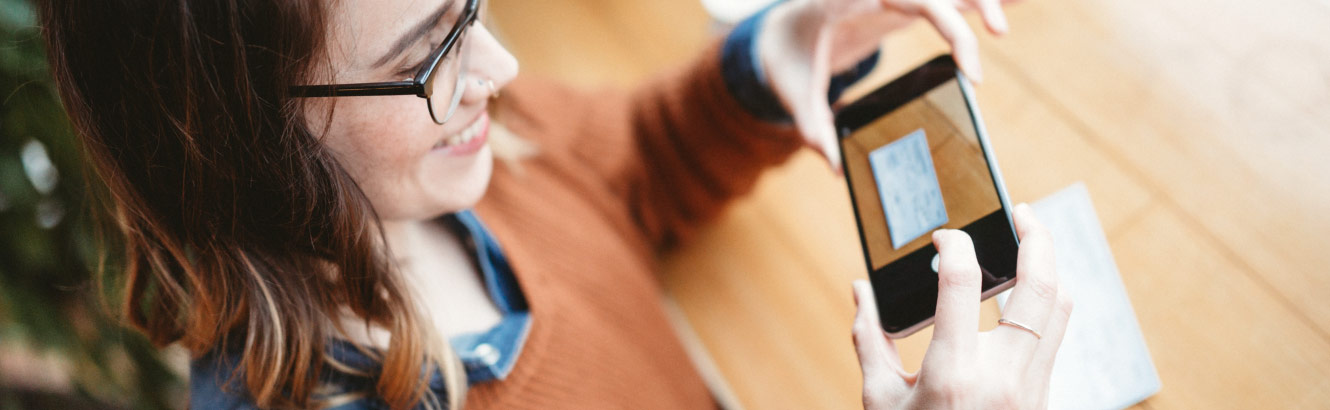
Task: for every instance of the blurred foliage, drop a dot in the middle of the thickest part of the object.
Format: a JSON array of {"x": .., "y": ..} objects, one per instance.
[{"x": 48, "y": 254}]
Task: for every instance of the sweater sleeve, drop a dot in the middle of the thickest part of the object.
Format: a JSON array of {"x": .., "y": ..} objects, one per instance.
[{"x": 675, "y": 150}]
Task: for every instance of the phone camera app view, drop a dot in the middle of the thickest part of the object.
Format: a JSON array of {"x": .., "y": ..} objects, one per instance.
[{"x": 919, "y": 168}]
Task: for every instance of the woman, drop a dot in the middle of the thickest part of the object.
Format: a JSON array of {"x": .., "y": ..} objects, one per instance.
[{"x": 295, "y": 184}]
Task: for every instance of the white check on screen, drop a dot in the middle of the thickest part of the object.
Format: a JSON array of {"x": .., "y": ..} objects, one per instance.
[{"x": 907, "y": 184}]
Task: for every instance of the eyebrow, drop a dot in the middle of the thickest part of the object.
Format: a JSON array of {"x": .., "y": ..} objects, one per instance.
[{"x": 412, "y": 36}]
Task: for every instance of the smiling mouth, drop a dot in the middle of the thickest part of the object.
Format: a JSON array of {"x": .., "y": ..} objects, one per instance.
[{"x": 472, "y": 132}]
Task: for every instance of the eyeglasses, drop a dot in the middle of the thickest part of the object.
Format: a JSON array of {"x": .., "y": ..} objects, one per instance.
[{"x": 431, "y": 81}]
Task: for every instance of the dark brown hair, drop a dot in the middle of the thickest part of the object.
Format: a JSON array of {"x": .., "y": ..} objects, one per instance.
[{"x": 239, "y": 227}]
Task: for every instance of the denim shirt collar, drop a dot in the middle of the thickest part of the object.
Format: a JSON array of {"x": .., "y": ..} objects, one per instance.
[{"x": 491, "y": 354}]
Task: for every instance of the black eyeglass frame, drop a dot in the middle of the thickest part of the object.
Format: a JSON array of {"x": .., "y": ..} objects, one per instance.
[{"x": 422, "y": 85}]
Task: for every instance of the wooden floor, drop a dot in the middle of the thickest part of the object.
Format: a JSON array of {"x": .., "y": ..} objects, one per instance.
[{"x": 1201, "y": 127}]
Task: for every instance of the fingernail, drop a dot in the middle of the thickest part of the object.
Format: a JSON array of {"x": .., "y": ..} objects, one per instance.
[
  {"x": 976, "y": 69},
  {"x": 858, "y": 284},
  {"x": 858, "y": 288}
]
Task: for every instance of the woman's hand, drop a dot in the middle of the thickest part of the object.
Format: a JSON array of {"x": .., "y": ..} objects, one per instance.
[
  {"x": 1005, "y": 368},
  {"x": 803, "y": 42}
]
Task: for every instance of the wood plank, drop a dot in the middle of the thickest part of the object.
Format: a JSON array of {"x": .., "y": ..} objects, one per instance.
[
  {"x": 1205, "y": 127},
  {"x": 566, "y": 40},
  {"x": 595, "y": 43},
  {"x": 1217, "y": 341}
]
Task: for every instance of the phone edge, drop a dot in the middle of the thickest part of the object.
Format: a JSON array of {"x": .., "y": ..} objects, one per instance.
[{"x": 976, "y": 119}]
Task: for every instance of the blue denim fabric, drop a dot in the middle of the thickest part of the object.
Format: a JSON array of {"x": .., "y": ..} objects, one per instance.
[
  {"x": 208, "y": 375},
  {"x": 747, "y": 82},
  {"x": 491, "y": 354},
  {"x": 487, "y": 356}
]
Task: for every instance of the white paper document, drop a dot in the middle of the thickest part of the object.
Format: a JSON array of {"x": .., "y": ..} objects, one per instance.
[
  {"x": 907, "y": 184},
  {"x": 1103, "y": 362}
]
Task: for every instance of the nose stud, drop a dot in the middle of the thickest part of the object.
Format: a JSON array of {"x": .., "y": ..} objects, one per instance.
[{"x": 494, "y": 91}]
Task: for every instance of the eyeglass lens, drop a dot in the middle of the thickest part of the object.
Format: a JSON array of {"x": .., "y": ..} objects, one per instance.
[{"x": 448, "y": 83}]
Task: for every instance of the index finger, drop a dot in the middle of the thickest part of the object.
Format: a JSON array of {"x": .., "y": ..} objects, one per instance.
[{"x": 958, "y": 289}]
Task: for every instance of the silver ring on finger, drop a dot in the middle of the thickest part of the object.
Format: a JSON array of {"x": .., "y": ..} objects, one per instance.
[{"x": 1009, "y": 322}]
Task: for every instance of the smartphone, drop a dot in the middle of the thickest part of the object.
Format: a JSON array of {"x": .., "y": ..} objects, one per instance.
[{"x": 917, "y": 159}]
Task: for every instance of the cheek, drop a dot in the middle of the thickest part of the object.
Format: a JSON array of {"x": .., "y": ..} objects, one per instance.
[
  {"x": 387, "y": 150},
  {"x": 372, "y": 137}
]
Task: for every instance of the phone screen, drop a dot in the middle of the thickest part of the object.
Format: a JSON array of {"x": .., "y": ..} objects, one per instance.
[{"x": 917, "y": 168}]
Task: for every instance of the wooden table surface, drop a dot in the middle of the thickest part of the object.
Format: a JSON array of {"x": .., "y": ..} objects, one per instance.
[{"x": 1201, "y": 129}]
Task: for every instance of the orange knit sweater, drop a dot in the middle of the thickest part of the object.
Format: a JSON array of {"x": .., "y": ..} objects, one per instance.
[{"x": 619, "y": 177}]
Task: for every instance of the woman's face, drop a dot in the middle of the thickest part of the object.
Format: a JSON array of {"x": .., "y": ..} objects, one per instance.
[{"x": 408, "y": 166}]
